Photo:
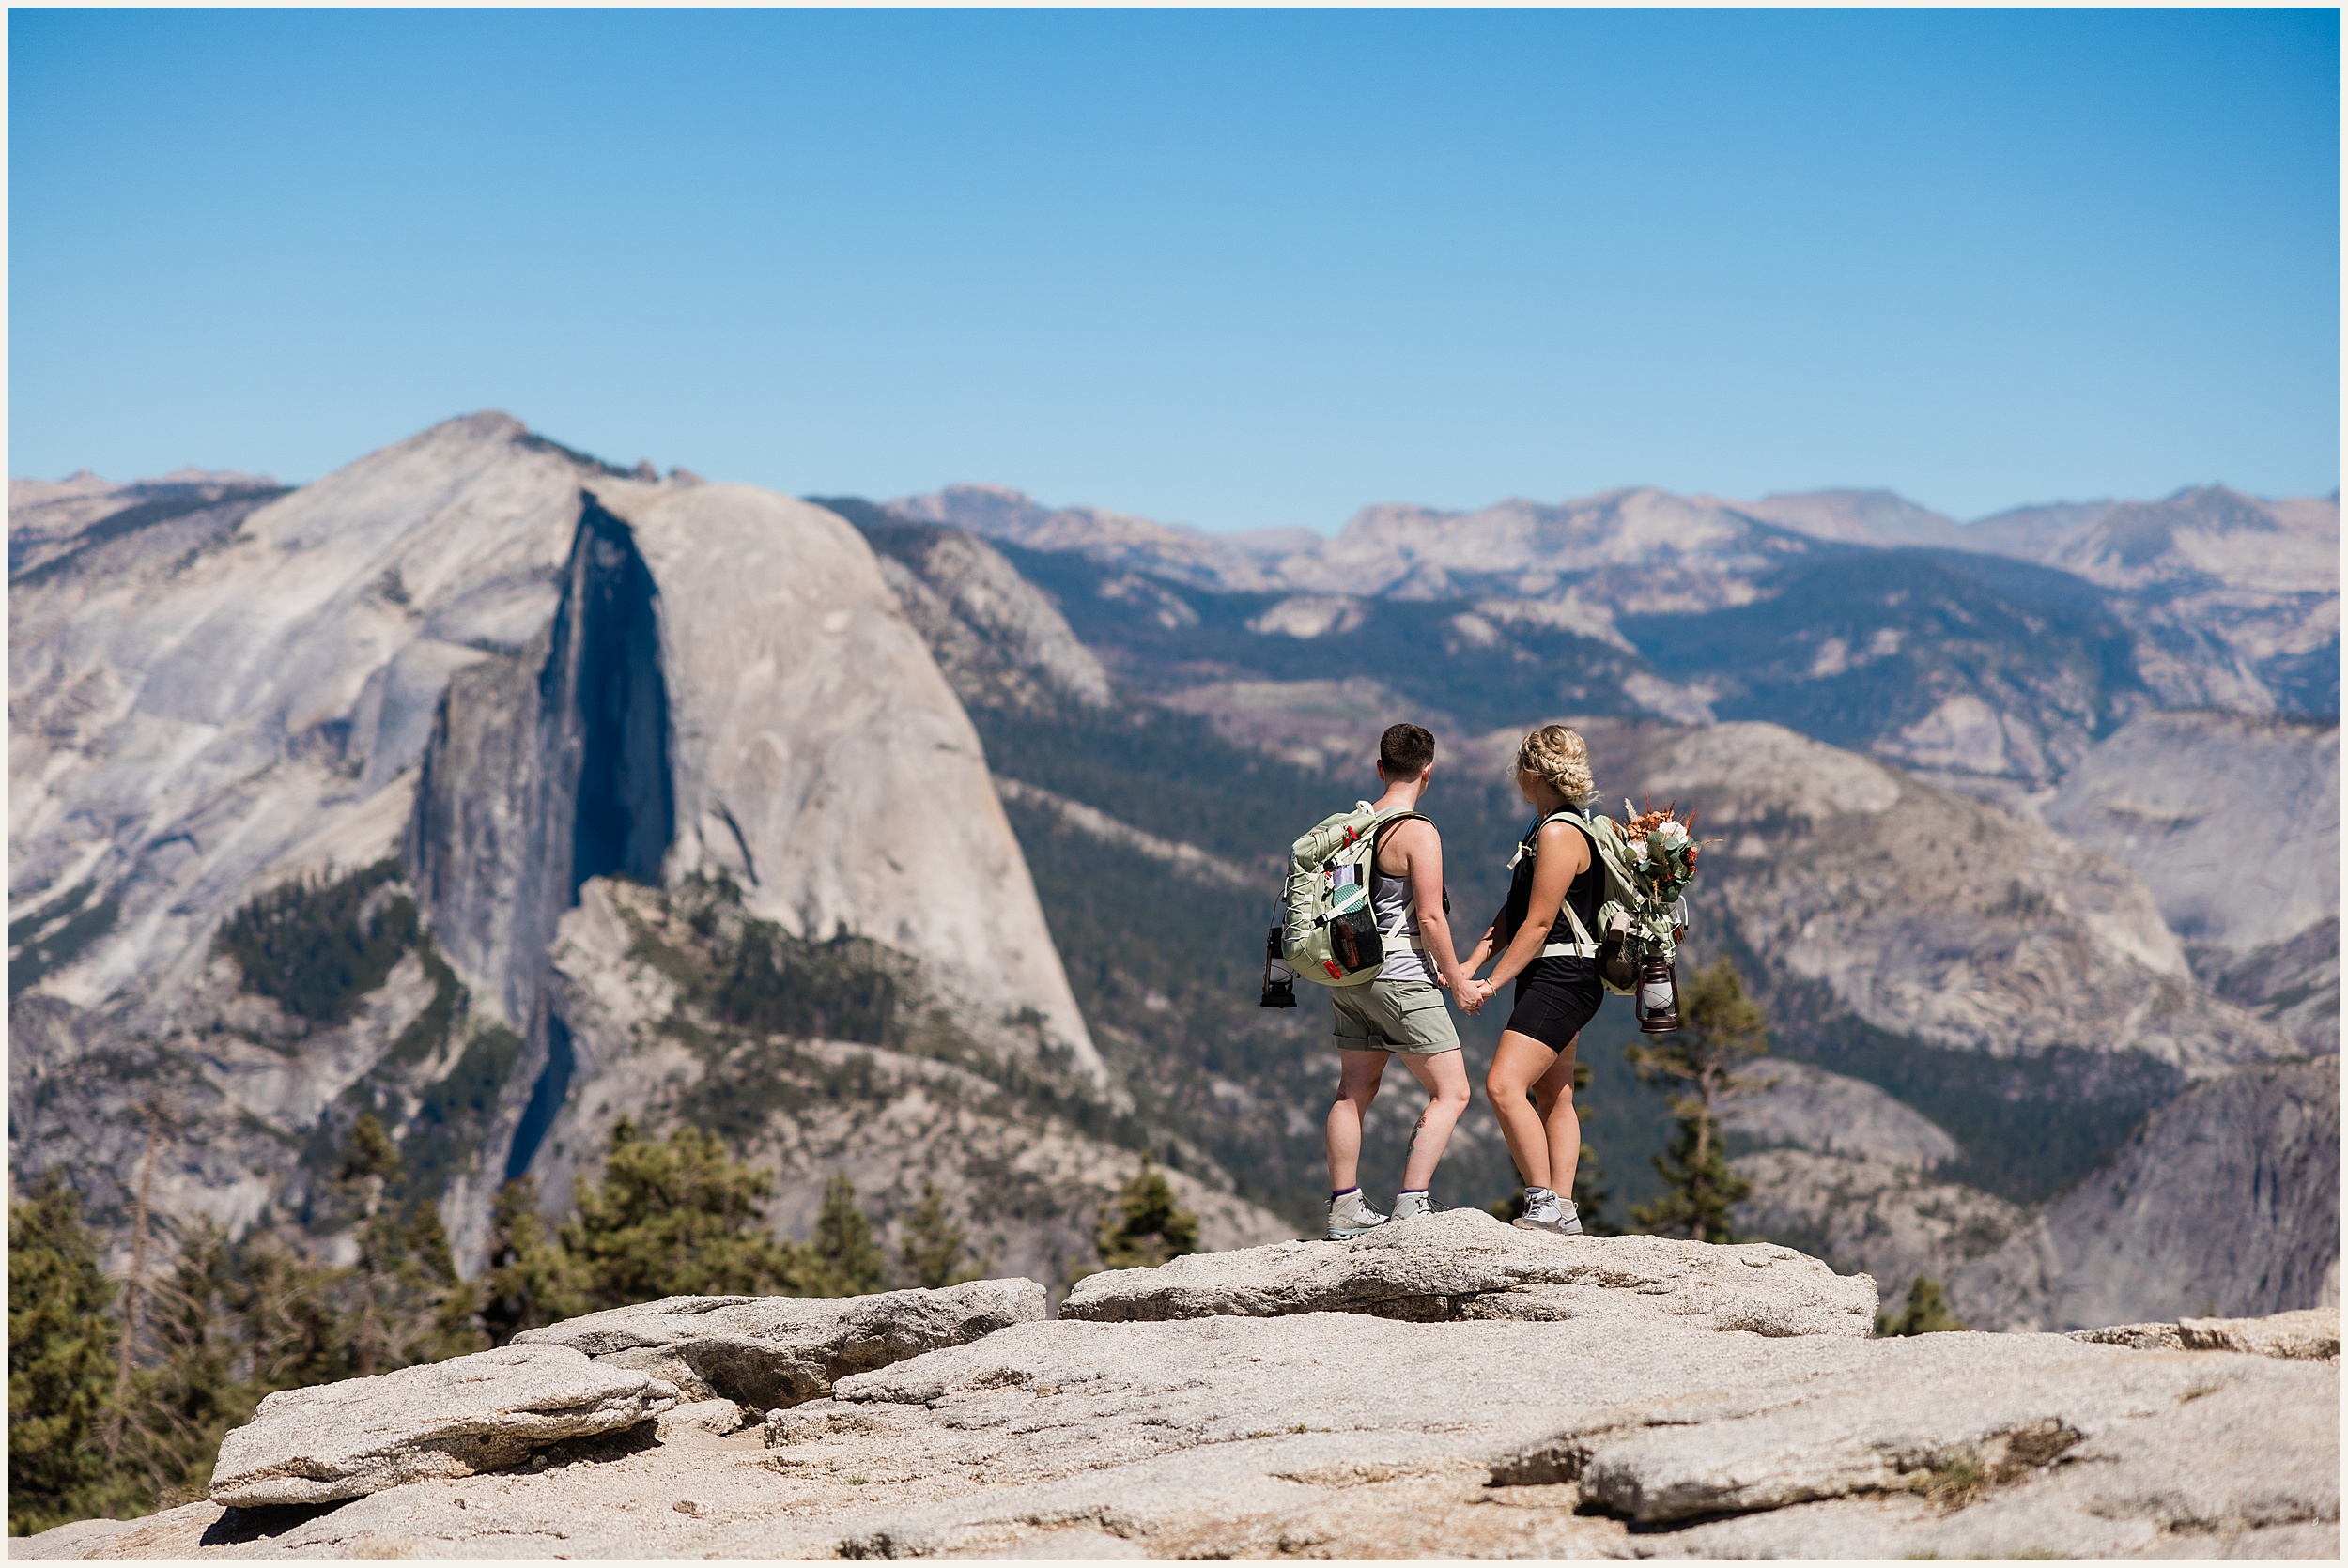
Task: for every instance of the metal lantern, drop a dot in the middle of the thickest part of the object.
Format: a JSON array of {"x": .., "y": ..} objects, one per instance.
[
  {"x": 1279, "y": 981},
  {"x": 1659, "y": 995}
]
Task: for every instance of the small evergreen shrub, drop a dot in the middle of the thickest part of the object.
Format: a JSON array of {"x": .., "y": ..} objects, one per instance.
[
  {"x": 1144, "y": 1227},
  {"x": 1926, "y": 1312}
]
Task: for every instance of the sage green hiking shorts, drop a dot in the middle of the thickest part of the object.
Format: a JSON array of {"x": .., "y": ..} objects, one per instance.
[{"x": 1408, "y": 1016}]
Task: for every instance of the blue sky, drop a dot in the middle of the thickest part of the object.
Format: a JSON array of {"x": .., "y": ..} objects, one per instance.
[{"x": 1232, "y": 269}]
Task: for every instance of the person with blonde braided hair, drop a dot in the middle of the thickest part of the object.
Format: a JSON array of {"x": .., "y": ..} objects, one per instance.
[{"x": 1555, "y": 876}]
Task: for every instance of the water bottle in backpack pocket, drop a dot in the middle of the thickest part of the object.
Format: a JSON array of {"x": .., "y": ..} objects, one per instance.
[{"x": 1354, "y": 939}]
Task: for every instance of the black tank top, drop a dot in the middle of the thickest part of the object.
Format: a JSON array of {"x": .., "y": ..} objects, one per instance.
[{"x": 1585, "y": 894}]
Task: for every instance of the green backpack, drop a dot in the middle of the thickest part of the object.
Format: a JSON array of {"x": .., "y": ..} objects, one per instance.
[
  {"x": 1328, "y": 933},
  {"x": 1630, "y": 924}
]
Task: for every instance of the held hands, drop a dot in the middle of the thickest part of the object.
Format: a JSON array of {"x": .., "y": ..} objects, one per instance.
[{"x": 1474, "y": 993}]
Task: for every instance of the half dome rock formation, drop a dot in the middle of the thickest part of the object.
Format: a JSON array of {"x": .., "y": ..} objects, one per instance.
[
  {"x": 418, "y": 704},
  {"x": 814, "y": 755}
]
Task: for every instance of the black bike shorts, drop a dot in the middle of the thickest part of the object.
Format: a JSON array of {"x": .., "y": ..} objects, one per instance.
[{"x": 1555, "y": 997}]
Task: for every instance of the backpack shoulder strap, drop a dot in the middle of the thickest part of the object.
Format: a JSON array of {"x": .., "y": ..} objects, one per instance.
[
  {"x": 1606, "y": 834},
  {"x": 1583, "y": 944},
  {"x": 1570, "y": 814}
]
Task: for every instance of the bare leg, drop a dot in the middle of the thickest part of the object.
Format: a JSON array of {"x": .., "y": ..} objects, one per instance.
[
  {"x": 1553, "y": 1092},
  {"x": 1445, "y": 1079},
  {"x": 1520, "y": 1061},
  {"x": 1357, "y": 1085}
]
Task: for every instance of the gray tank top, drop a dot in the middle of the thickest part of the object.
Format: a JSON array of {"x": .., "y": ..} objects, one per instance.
[{"x": 1390, "y": 899}]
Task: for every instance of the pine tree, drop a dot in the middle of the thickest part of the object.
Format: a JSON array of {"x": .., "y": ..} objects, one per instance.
[
  {"x": 135, "y": 1284},
  {"x": 1722, "y": 1028},
  {"x": 677, "y": 1218},
  {"x": 369, "y": 1164},
  {"x": 445, "y": 1309},
  {"x": 531, "y": 1281},
  {"x": 846, "y": 1260},
  {"x": 184, "y": 1404},
  {"x": 1144, "y": 1228},
  {"x": 61, "y": 1367},
  {"x": 1926, "y": 1313},
  {"x": 408, "y": 1305},
  {"x": 929, "y": 1254},
  {"x": 284, "y": 1304}
]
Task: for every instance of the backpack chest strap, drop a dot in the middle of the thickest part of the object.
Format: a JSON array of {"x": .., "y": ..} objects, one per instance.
[{"x": 1581, "y": 946}]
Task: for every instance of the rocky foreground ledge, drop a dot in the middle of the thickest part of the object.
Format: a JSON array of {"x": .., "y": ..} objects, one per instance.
[{"x": 1443, "y": 1387}]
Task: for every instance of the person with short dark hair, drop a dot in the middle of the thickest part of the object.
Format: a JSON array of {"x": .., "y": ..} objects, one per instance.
[
  {"x": 1402, "y": 1012},
  {"x": 1404, "y": 751}
]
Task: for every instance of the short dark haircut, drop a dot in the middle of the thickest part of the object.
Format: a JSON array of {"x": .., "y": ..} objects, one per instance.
[{"x": 1404, "y": 751}]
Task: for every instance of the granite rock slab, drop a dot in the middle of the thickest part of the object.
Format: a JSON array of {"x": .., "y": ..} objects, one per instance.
[
  {"x": 1949, "y": 1416},
  {"x": 481, "y": 1412},
  {"x": 771, "y": 1352},
  {"x": 1333, "y": 1435},
  {"x": 1463, "y": 1263},
  {"x": 2310, "y": 1335}
]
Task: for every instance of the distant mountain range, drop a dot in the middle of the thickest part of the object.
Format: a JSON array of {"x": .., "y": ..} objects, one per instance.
[
  {"x": 1997, "y": 652},
  {"x": 500, "y": 792}
]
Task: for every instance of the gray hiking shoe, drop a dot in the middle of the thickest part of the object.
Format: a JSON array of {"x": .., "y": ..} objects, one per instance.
[
  {"x": 1409, "y": 1205},
  {"x": 1545, "y": 1211},
  {"x": 1351, "y": 1216}
]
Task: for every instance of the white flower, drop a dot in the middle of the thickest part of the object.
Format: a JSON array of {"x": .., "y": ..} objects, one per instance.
[{"x": 1673, "y": 833}]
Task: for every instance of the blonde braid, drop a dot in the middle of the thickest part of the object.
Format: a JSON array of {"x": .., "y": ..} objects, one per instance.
[{"x": 1561, "y": 757}]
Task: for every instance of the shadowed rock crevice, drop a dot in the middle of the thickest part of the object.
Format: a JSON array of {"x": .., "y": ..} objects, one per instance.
[
  {"x": 546, "y": 1099},
  {"x": 238, "y": 1527},
  {"x": 605, "y": 682}
]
